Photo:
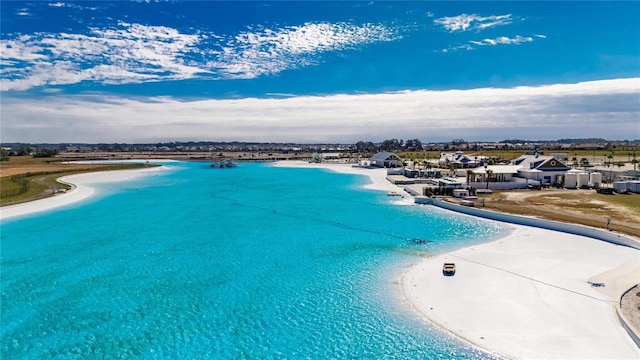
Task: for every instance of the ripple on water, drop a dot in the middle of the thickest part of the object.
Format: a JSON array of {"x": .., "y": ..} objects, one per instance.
[{"x": 209, "y": 267}]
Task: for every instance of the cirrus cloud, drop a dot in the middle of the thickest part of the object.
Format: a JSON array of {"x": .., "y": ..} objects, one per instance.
[
  {"x": 265, "y": 51},
  {"x": 465, "y": 22},
  {"x": 503, "y": 40},
  {"x": 134, "y": 53}
]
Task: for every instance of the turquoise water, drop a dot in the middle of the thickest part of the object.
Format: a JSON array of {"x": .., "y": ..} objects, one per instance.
[{"x": 254, "y": 262}]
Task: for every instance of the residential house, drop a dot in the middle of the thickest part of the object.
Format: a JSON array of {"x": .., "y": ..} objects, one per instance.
[
  {"x": 460, "y": 160},
  {"x": 385, "y": 160},
  {"x": 494, "y": 173},
  {"x": 546, "y": 169}
]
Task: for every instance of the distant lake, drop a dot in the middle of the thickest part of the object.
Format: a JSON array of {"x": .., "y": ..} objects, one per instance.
[{"x": 253, "y": 262}]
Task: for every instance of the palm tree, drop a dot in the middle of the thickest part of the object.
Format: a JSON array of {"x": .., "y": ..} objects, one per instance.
[
  {"x": 427, "y": 165},
  {"x": 489, "y": 172}
]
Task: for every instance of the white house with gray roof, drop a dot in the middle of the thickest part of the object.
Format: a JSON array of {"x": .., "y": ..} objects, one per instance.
[
  {"x": 459, "y": 158},
  {"x": 546, "y": 169},
  {"x": 385, "y": 160}
]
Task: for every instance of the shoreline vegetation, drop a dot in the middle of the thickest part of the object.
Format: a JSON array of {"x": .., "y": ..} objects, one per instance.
[
  {"x": 27, "y": 179},
  {"x": 535, "y": 285}
]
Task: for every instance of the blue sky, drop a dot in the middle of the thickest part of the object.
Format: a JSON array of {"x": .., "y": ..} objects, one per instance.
[{"x": 130, "y": 71}]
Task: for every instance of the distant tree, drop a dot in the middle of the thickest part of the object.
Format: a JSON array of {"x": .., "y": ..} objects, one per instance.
[
  {"x": 24, "y": 150},
  {"x": 390, "y": 145},
  {"x": 366, "y": 147},
  {"x": 514, "y": 141},
  {"x": 4, "y": 155},
  {"x": 45, "y": 153},
  {"x": 413, "y": 145}
]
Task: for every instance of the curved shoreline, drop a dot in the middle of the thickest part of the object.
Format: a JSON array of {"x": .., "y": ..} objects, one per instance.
[
  {"x": 526, "y": 295},
  {"x": 81, "y": 190}
]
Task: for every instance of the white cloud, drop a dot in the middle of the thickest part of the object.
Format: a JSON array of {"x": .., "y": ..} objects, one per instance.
[
  {"x": 129, "y": 54},
  {"x": 268, "y": 51},
  {"x": 502, "y": 40},
  {"x": 465, "y": 22},
  {"x": 458, "y": 47},
  {"x": 132, "y": 53},
  {"x": 607, "y": 108},
  {"x": 71, "y": 5}
]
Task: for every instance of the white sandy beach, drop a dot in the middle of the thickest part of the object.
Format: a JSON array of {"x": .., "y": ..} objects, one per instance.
[
  {"x": 377, "y": 176},
  {"x": 81, "y": 190},
  {"x": 528, "y": 295},
  {"x": 525, "y": 296}
]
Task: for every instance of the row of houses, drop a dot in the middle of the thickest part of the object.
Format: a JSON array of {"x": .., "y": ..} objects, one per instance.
[{"x": 527, "y": 170}]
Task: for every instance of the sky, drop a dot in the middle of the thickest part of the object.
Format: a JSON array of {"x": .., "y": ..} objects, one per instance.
[{"x": 318, "y": 72}]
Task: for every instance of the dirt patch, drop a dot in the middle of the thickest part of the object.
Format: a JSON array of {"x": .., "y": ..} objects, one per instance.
[
  {"x": 616, "y": 212},
  {"x": 630, "y": 306},
  {"x": 8, "y": 169}
]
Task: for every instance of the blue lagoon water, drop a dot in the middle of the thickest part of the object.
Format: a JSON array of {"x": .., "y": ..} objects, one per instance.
[{"x": 254, "y": 262}]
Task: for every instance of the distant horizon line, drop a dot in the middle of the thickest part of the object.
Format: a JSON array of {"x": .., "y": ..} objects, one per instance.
[{"x": 448, "y": 142}]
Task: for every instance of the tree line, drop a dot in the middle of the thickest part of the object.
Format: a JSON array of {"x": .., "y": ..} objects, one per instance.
[
  {"x": 28, "y": 151},
  {"x": 390, "y": 145}
]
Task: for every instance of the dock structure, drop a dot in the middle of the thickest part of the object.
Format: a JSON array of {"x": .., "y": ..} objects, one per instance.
[{"x": 223, "y": 163}]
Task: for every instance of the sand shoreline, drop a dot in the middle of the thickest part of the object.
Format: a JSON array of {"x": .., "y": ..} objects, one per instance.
[
  {"x": 526, "y": 295},
  {"x": 81, "y": 190}
]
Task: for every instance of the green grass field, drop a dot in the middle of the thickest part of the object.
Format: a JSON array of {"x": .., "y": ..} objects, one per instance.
[{"x": 41, "y": 176}]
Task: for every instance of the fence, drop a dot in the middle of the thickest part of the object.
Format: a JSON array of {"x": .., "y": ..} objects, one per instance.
[
  {"x": 24, "y": 187},
  {"x": 515, "y": 183}
]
